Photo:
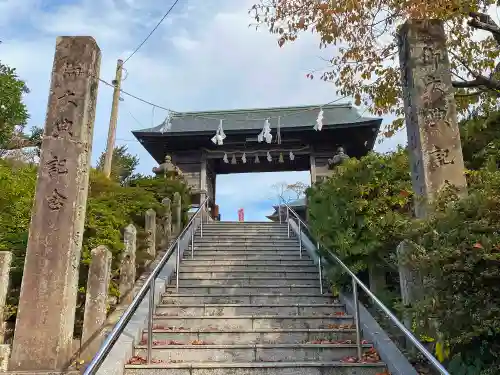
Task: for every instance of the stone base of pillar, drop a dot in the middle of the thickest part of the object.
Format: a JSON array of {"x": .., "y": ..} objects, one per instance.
[{"x": 4, "y": 356}]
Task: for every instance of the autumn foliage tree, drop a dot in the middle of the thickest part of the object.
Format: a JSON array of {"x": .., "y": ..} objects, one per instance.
[{"x": 365, "y": 62}]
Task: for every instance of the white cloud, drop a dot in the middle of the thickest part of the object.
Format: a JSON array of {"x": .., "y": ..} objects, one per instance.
[{"x": 203, "y": 57}]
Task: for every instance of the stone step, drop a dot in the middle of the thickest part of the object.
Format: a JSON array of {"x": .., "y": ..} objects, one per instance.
[
  {"x": 246, "y": 281},
  {"x": 218, "y": 236},
  {"x": 235, "y": 289},
  {"x": 246, "y": 228},
  {"x": 235, "y": 247},
  {"x": 247, "y": 244},
  {"x": 257, "y": 368},
  {"x": 244, "y": 223},
  {"x": 257, "y": 336},
  {"x": 238, "y": 233},
  {"x": 250, "y": 322},
  {"x": 235, "y": 230},
  {"x": 260, "y": 257},
  {"x": 248, "y": 309},
  {"x": 250, "y": 353},
  {"x": 243, "y": 236},
  {"x": 248, "y": 262},
  {"x": 244, "y": 255},
  {"x": 246, "y": 269},
  {"x": 207, "y": 273},
  {"x": 261, "y": 298},
  {"x": 236, "y": 250}
]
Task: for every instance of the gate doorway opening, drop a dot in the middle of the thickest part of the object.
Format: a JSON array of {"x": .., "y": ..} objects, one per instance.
[{"x": 257, "y": 193}]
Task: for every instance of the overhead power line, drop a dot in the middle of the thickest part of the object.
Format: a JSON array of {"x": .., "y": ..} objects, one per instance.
[
  {"x": 171, "y": 111},
  {"x": 152, "y": 31}
]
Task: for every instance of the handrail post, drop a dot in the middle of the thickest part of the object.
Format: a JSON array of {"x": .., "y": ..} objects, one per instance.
[
  {"x": 192, "y": 243},
  {"x": 150, "y": 320},
  {"x": 320, "y": 272},
  {"x": 300, "y": 239},
  {"x": 279, "y": 211},
  {"x": 356, "y": 319},
  {"x": 288, "y": 220},
  {"x": 177, "y": 265},
  {"x": 201, "y": 220}
]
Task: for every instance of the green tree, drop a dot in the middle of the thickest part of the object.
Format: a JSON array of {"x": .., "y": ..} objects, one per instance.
[
  {"x": 13, "y": 111},
  {"x": 363, "y": 210},
  {"x": 460, "y": 254},
  {"x": 123, "y": 164},
  {"x": 110, "y": 208},
  {"x": 365, "y": 62}
]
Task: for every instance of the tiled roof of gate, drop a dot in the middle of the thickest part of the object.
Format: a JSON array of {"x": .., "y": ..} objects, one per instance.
[{"x": 249, "y": 119}]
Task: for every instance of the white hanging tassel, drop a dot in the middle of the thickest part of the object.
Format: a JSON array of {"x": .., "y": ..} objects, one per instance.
[
  {"x": 166, "y": 125},
  {"x": 281, "y": 160},
  {"x": 265, "y": 133},
  {"x": 257, "y": 161},
  {"x": 233, "y": 159},
  {"x": 225, "y": 158},
  {"x": 219, "y": 136},
  {"x": 319, "y": 121},
  {"x": 269, "y": 157},
  {"x": 292, "y": 156},
  {"x": 244, "y": 158}
]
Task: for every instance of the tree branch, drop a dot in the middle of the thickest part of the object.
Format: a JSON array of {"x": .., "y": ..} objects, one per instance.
[
  {"x": 479, "y": 80},
  {"x": 491, "y": 84},
  {"x": 468, "y": 94},
  {"x": 484, "y": 21}
]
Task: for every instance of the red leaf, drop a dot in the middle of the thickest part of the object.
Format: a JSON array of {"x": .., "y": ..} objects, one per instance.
[{"x": 349, "y": 359}]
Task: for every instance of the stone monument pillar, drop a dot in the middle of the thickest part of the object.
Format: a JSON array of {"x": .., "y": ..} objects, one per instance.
[
  {"x": 43, "y": 336},
  {"x": 127, "y": 267},
  {"x": 176, "y": 215},
  {"x": 432, "y": 128},
  {"x": 96, "y": 301},
  {"x": 167, "y": 223},
  {"x": 430, "y": 110},
  {"x": 5, "y": 262},
  {"x": 150, "y": 227}
]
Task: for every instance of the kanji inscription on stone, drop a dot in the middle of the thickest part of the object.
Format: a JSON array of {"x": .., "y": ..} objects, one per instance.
[
  {"x": 63, "y": 127},
  {"x": 72, "y": 70},
  {"x": 56, "y": 166},
  {"x": 440, "y": 157},
  {"x": 56, "y": 200},
  {"x": 43, "y": 338},
  {"x": 430, "y": 110},
  {"x": 69, "y": 96}
]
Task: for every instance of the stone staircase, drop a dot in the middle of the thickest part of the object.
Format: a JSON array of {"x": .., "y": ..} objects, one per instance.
[{"x": 249, "y": 304}]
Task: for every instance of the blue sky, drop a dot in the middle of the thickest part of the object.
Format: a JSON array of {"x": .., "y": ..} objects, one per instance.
[{"x": 203, "y": 57}]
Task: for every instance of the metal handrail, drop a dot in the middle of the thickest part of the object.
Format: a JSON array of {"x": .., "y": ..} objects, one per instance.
[
  {"x": 149, "y": 285},
  {"x": 355, "y": 282}
]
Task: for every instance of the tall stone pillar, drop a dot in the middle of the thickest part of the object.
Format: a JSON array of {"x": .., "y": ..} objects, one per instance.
[
  {"x": 5, "y": 262},
  {"x": 150, "y": 227},
  {"x": 176, "y": 214},
  {"x": 127, "y": 268},
  {"x": 432, "y": 128},
  {"x": 43, "y": 336},
  {"x": 96, "y": 301},
  {"x": 430, "y": 110},
  {"x": 167, "y": 222}
]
